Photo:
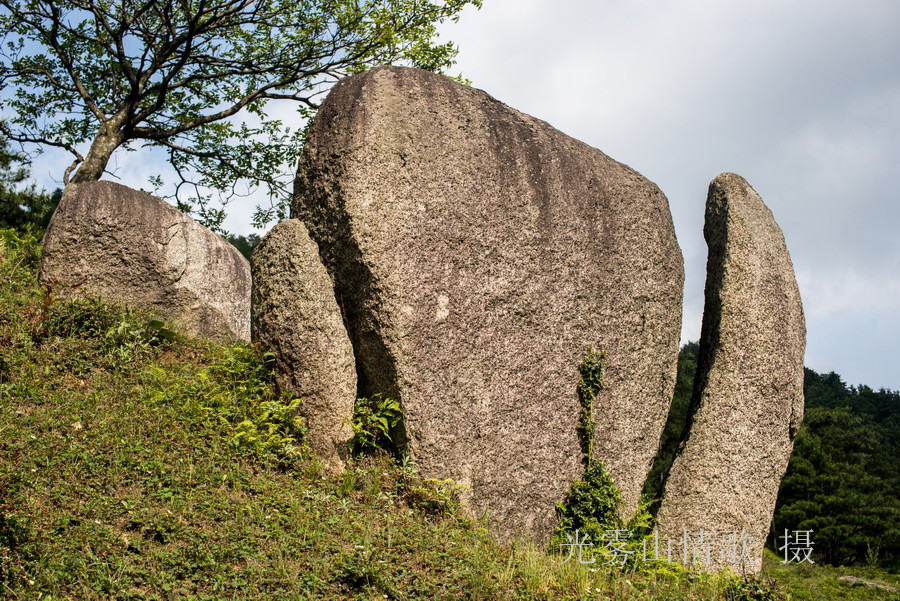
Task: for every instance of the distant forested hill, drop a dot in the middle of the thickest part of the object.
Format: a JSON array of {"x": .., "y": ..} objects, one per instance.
[{"x": 843, "y": 481}]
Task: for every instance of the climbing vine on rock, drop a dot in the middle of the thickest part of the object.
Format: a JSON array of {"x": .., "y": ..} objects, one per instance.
[
  {"x": 589, "y": 386},
  {"x": 591, "y": 511}
]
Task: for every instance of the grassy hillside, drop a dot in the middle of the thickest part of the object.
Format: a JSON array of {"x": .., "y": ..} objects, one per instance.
[{"x": 139, "y": 464}]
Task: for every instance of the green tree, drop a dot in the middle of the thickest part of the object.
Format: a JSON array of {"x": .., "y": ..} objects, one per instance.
[
  {"x": 244, "y": 244},
  {"x": 194, "y": 77},
  {"x": 22, "y": 206}
]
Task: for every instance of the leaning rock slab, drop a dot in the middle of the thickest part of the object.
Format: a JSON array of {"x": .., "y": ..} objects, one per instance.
[
  {"x": 478, "y": 254},
  {"x": 125, "y": 245},
  {"x": 295, "y": 315},
  {"x": 748, "y": 393}
]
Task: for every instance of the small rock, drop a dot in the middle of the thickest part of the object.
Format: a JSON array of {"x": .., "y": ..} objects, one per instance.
[
  {"x": 295, "y": 315},
  {"x": 860, "y": 582}
]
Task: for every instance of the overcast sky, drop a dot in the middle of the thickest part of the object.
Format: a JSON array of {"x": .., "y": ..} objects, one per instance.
[{"x": 802, "y": 98}]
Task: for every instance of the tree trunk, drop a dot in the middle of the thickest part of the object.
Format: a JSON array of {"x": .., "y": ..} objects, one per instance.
[{"x": 108, "y": 138}]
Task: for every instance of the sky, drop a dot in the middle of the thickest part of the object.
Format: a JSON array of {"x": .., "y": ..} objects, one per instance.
[{"x": 800, "y": 97}]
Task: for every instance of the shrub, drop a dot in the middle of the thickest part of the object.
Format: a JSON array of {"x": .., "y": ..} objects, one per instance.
[
  {"x": 749, "y": 588},
  {"x": 591, "y": 512}
]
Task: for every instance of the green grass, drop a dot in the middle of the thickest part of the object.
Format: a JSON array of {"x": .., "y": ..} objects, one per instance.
[
  {"x": 136, "y": 463},
  {"x": 807, "y": 582}
]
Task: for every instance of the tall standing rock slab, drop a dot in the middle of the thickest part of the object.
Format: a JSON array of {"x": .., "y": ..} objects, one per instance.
[
  {"x": 125, "y": 245},
  {"x": 478, "y": 254},
  {"x": 295, "y": 315},
  {"x": 748, "y": 392}
]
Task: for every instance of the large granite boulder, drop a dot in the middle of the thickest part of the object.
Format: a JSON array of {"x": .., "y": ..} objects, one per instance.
[
  {"x": 125, "y": 245},
  {"x": 748, "y": 393},
  {"x": 478, "y": 254},
  {"x": 294, "y": 314}
]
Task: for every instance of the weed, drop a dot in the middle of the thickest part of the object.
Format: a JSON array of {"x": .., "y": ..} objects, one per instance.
[
  {"x": 22, "y": 251},
  {"x": 433, "y": 496},
  {"x": 374, "y": 419},
  {"x": 748, "y": 588},
  {"x": 236, "y": 391}
]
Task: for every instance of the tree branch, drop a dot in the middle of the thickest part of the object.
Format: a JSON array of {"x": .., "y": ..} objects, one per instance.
[{"x": 53, "y": 39}]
